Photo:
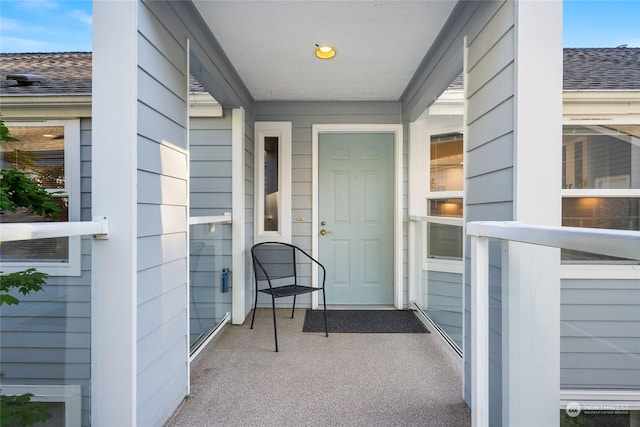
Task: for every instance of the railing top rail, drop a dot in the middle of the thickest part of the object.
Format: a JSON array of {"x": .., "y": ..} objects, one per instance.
[
  {"x": 618, "y": 243},
  {"x": 446, "y": 220},
  {"x": 213, "y": 219},
  {"x": 99, "y": 228}
]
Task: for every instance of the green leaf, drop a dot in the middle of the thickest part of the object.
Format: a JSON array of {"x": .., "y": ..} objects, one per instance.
[
  {"x": 8, "y": 299},
  {"x": 18, "y": 190},
  {"x": 20, "y": 410},
  {"x": 23, "y": 282}
]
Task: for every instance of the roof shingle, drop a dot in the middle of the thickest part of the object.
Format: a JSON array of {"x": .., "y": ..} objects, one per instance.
[
  {"x": 70, "y": 72},
  {"x": 66, "y": 73},
  {"x": 602, "y": 69}
]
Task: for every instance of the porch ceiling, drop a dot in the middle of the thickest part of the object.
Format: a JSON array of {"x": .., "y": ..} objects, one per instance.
[{"x": 380, "y": 45}]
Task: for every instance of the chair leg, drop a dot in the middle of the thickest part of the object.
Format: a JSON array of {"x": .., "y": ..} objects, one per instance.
[
  {"x": 275, "y": 328},
  {"x": 324, "y": 300},
  {"x": 294, "y": 306},
  {"x": 255, "y": 305}
]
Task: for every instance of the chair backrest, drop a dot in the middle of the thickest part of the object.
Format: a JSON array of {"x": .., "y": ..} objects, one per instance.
[{"x": 273, "y": 260}]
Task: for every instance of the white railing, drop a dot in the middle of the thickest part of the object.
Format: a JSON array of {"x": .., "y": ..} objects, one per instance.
[
  {"x": 624, "y": 244},
  {"x": 99, "y": 228},
  {"x": 215, "y": 219}
]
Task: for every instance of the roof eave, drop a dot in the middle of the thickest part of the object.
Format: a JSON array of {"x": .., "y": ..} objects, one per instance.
[
  {"x": 15, "y": 107},
  {"x": 599, "y": 96}
]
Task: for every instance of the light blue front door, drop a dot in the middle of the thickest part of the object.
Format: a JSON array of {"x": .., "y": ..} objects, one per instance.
[{"x": 355, "y": 184}]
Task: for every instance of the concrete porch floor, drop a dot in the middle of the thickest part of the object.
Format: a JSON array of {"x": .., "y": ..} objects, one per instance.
[{"x": 342, "y": 380}]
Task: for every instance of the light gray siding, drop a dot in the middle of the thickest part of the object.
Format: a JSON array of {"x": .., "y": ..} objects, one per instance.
[
  {"x": 489, "y": 176},
  {"x": 162, "y": 368},
  {"x": 210, "y": 194},
  {"x": 303, "y": 115},
  {"x": 249, "y": 150},
  {"x": 46, "y": 339},
  {"x": 210, "y": 151},
  {"x": 445, "y": 304},
  {"x": 600, "y": 334},
  {"x": 164, "y": 29}
]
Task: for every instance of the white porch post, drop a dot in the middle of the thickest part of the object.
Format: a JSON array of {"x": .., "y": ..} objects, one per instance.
[
  {"x": 238, "y": 294},
  {"x": 114, "y": 169},
  {"x": 480, "y": 332},
  {"x": 531, "y": 301}
]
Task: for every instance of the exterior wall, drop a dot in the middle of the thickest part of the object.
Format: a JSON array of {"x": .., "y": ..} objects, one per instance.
[
  {"x": 162, "y": 362},
  {"x": 210, "y": 194},
  {"x": 600, "y": 334},
  {"x": 600, "y": 329},
  {"x": 489, "y": 137},
  {"x": 513, "y": 89},
  {"x": 210, "y": 160},
  {"x": 444, "y": 291},
  {"x": 303, "y": 115},
  {"x": 46, "y": 339},
  {"x": 146, "y": 323},
  {"x": 249, "y": 291}
]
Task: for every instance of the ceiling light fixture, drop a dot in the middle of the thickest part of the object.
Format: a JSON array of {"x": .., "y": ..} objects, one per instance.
[{"x": 325, "y": 51}]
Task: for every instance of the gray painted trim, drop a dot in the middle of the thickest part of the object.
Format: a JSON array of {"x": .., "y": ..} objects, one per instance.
[
  {"x": 441, "y": 65},
  {"x": 209, "y": 64}
]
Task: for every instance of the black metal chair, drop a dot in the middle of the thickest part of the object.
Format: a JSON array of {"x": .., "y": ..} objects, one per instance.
[{"x": 277, "y": 264}]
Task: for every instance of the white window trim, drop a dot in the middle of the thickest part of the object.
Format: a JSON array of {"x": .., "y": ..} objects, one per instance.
[
  {"x": 283, "y": 131},
  {"x": 593, "y": 269},
  {"x": 440, "y": 264},
  {"x": 420, "y": 193},
  {"x": 72, "y": 185}
]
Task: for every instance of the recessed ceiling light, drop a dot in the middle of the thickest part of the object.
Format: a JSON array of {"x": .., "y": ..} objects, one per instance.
[{"x": 325, "y": 51}]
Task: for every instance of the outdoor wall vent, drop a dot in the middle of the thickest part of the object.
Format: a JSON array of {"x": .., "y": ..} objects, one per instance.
[{"x": 26, "y": 79}]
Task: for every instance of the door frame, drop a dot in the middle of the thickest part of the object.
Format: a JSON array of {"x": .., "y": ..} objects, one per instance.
[{"x": 397, "y": 130}]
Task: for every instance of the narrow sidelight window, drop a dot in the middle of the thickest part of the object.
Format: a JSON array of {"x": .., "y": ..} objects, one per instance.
[{"x": 273, "y": 181}]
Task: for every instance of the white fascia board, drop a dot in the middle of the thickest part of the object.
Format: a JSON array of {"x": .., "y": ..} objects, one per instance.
[
  {"x": 45, "y": 106},
  {"x": 451, "y": 102},
  {"x": 613, "y": 107},
  {"x": 201, "y": 104},
  {"x": 607, "y": 96}
]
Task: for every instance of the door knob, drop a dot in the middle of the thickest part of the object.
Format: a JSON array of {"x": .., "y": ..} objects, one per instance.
[{"x": 323, "y": 232}]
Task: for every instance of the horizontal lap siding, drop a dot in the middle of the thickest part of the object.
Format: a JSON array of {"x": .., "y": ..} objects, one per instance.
[
  {"x": 303, "y": 116},
  {"x": 162, "y": 357},
  {"x": 210, "y": 165},
  {"x": 249, "y": 214},
  {"x": 489, "y": 91},
  {"x": 46, "y": 339},
  {"x": 444, "y": 296},
  {"x": 210, "y": 194},
  {"x": 600, "y": 334}
]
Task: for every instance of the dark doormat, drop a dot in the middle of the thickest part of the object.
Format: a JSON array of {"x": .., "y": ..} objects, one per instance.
[{"x": 364, "y": 321}]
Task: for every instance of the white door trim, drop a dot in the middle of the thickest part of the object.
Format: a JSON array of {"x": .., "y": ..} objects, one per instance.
[{"x": 397, "y": 197}]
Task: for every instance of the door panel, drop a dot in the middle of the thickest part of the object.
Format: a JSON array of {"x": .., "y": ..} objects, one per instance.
[{"x": 356, "y": 207}]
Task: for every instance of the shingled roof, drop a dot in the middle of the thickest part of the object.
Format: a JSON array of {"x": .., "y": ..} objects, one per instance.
[
  {"x": 602, "y": 69},
  {"x": 70, "y": 72},
  {"x": 65, "y": 73}
]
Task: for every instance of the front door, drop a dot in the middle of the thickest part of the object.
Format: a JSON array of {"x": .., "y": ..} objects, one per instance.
[{"x": 355, "y": 214}]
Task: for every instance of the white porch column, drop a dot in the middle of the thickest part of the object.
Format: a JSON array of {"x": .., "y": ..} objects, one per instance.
[
  {"x": 238, "y": 294},
  {"x": 531, "y": 303},
  {"x": 114, "y": 167}
]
